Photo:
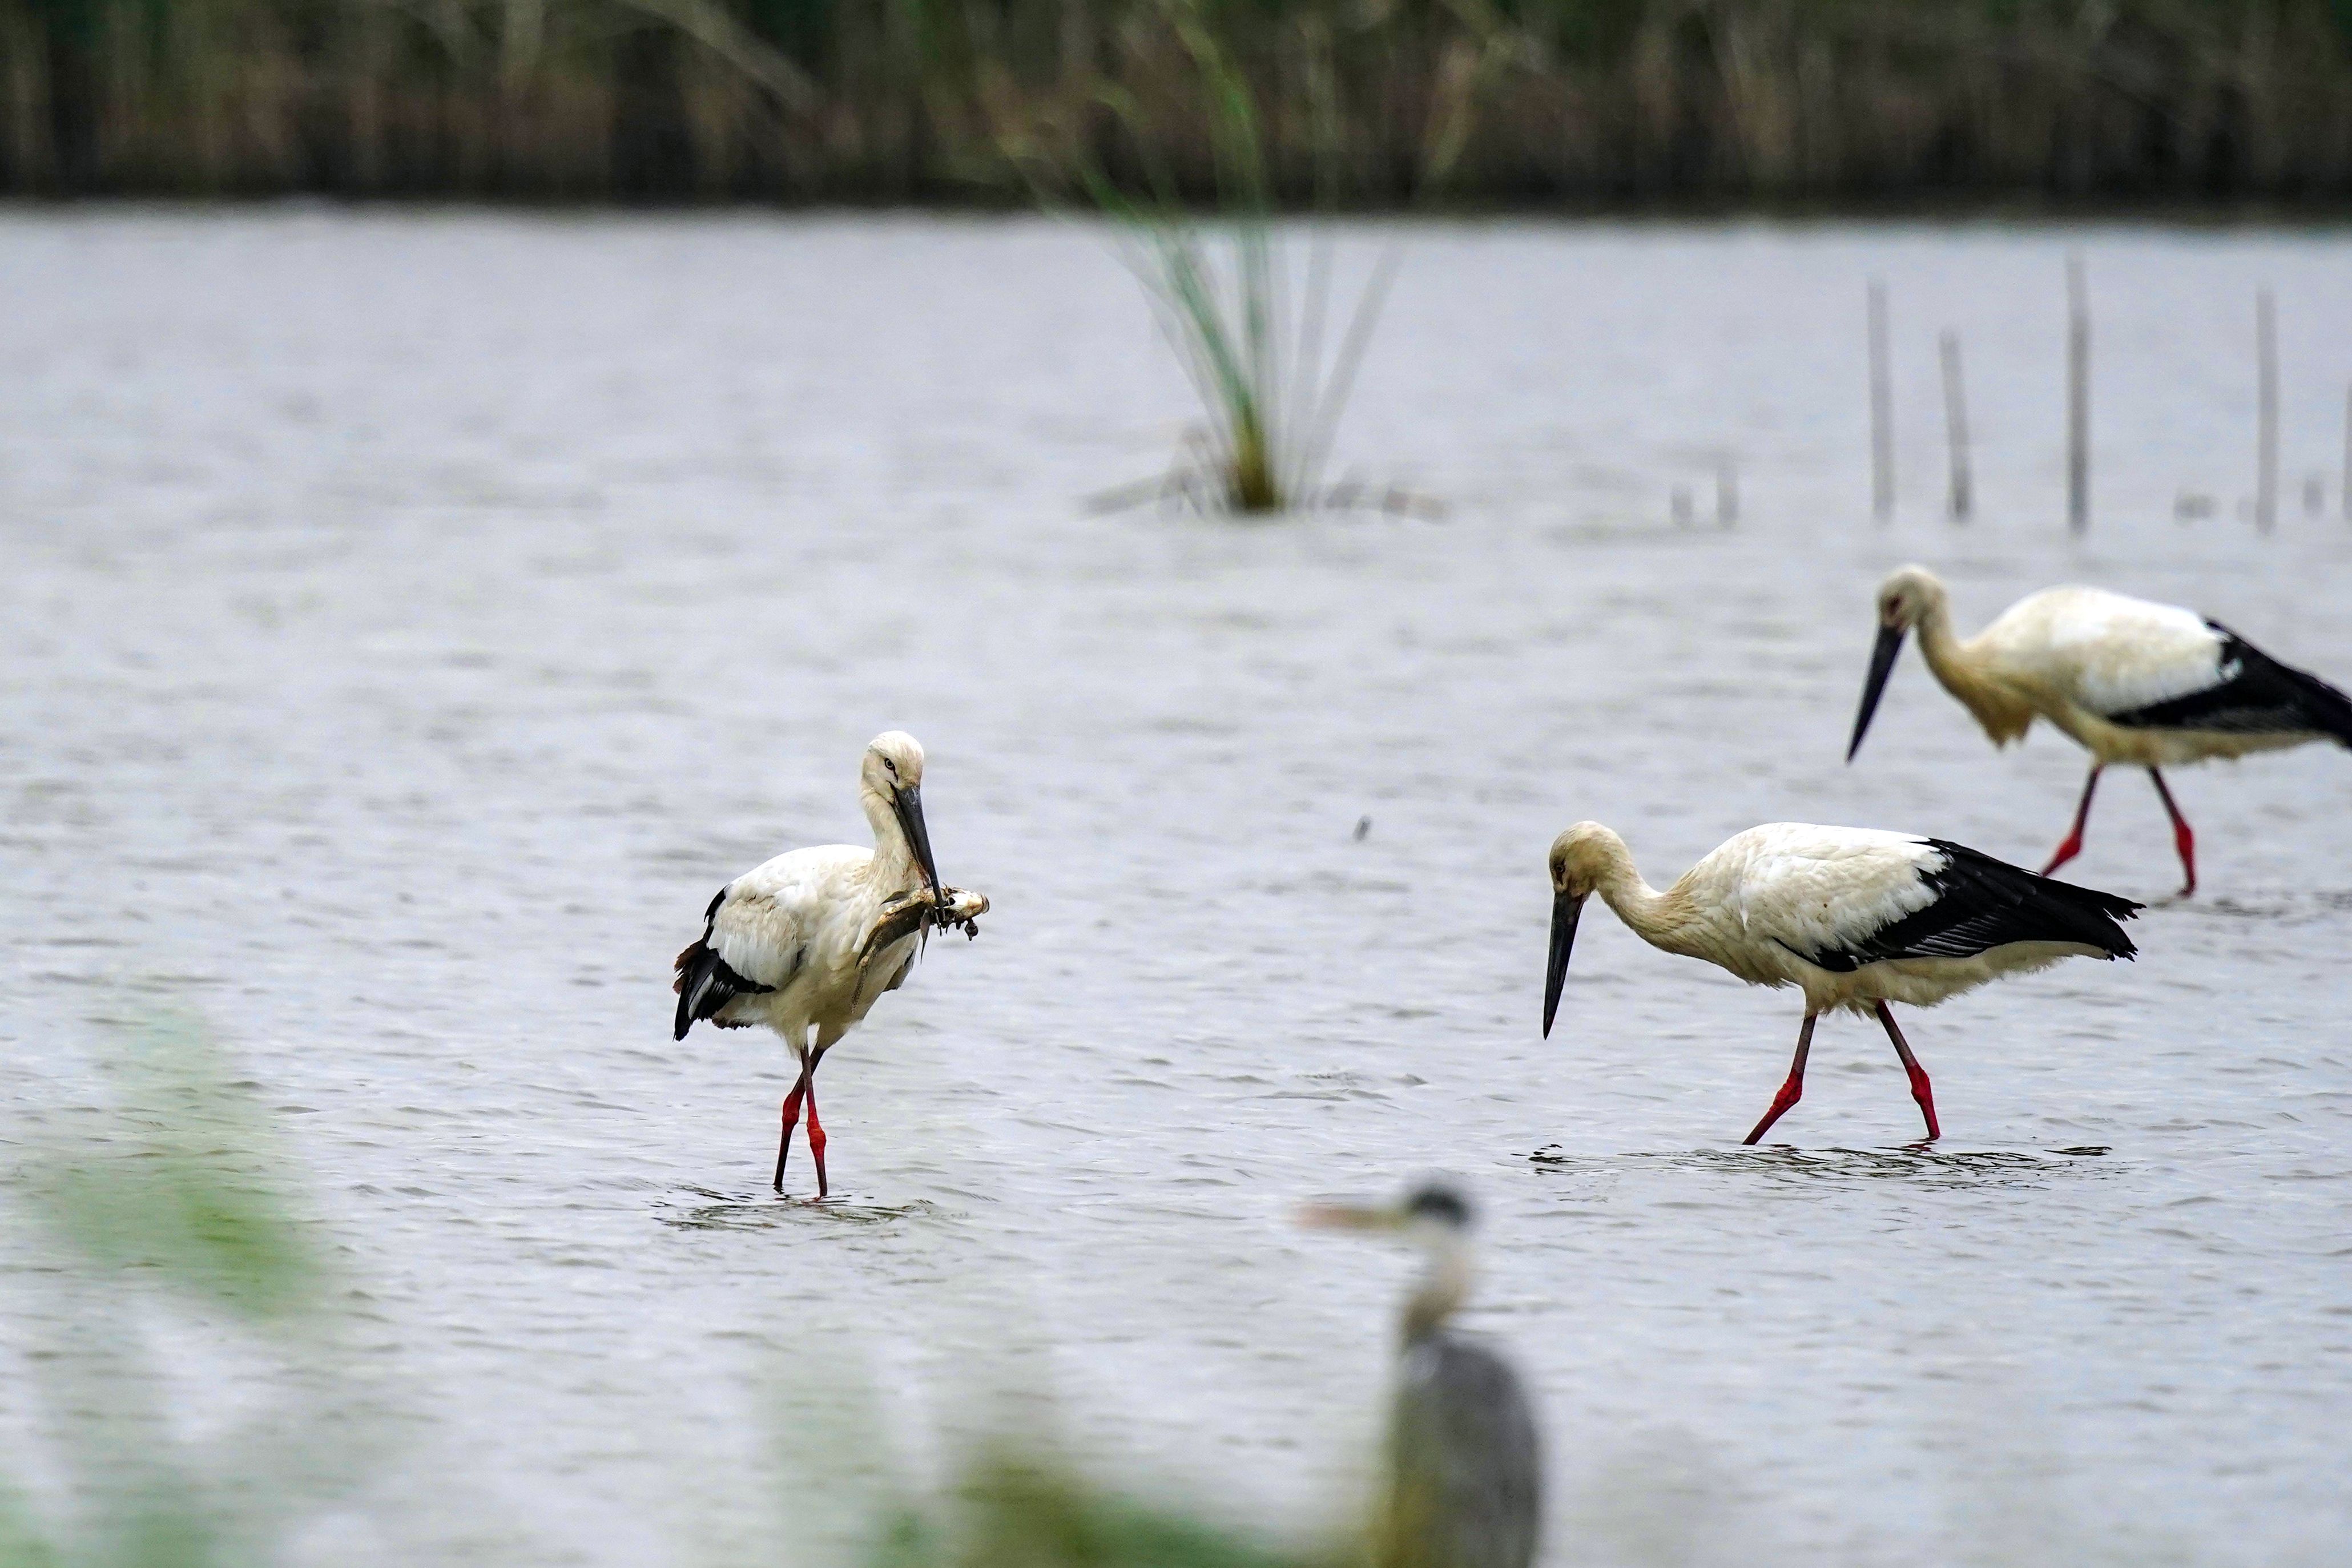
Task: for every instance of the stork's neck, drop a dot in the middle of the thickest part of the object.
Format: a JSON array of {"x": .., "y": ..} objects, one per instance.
[
  {"x": 1656, "y": 917},
  {"x": 1444, "y": 1286},
  {"x": 1939, "y": 645},
  {"x": 1960, "y": 668},
  {"x": 894, "y": 869}
]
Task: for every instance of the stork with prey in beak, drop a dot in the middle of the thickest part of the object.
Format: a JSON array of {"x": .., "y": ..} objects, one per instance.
[
  {"x": 809, "y": 940},
  {"x": 1854, "y": 917}
]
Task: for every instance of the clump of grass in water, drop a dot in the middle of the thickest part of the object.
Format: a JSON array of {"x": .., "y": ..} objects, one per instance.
[{"x": 1220, "y": 289}]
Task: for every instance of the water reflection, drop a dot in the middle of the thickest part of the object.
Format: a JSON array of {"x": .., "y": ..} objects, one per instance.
[
  {"x": 766, "y": 1211},
  {"x": 1916, "y": 1165}
]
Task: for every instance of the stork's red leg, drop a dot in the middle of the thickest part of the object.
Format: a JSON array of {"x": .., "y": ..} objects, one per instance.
[
  {"x": 817, "y": 1134},
  {"x": 1794, "y": 1089},
  {"x": 2182, "y": 839},
  {"x": 1921, "y": 1090},
  {"x": 2073, "y": 845},
  {"x": 792, "y": 1119}
]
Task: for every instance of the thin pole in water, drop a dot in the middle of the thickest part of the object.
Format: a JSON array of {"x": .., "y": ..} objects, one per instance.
[
  {"x": 2267, "y": 438},
  {"x": 1727, "y": 493},
  {"x": 2078, "y": 398},
  {"x": 1956, "y": 427},
  {"x": 1882, "y": 411}
]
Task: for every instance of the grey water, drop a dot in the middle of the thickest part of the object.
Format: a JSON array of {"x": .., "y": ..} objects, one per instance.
[{"x": 408, "y": 620}]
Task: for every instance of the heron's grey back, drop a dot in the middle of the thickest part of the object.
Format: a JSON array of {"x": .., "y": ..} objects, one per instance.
[{"x": 1465, "y": 1464}]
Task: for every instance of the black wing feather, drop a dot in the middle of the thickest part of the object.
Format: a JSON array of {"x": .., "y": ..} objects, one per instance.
[
  {"x": 705, "y": 982},
  {"x": 1981, "y": 904},
  {"x": 2256, "y": 695}
]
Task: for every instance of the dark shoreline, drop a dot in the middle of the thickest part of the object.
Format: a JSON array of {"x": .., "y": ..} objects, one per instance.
[
  {"x": 1614, "y": 107},
  {"x": 1921, "y": 212}
]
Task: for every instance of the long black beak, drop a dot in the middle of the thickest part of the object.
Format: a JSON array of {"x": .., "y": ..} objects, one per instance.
[
  {"x": 1881, "y": 663},
  {"x": 908, "y": 802},
  {"x": 1565, "y": 909}
]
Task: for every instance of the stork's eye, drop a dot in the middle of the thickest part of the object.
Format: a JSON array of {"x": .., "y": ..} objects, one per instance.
[{"x": 891, "y": 765}]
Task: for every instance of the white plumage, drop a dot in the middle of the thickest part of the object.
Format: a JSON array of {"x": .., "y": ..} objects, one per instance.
[
  {"x": 809, "y": 940},
  {"x": 2152, "y": 686},
  {"x": 1855, "y": 917}
]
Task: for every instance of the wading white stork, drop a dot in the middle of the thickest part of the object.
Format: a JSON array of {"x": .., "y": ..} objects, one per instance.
[
  {"x": 2133, "y": 682},
  {"x": 1854, "y": 917},
  {"x": 811, "y": 939}
]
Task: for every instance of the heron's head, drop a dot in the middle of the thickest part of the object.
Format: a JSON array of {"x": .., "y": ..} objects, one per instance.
[
  {"x": 1907, "y": 598},
  {"x": 1434, "y": 1214},
  {"x": 1435, "y": 1217},
  {"x": 892, "y": 773},
  {"x": 1581, "y": 859}
]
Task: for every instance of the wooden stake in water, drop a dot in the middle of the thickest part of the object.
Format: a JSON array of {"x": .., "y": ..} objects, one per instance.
[
  {"x": 2078, "y": 398},
  {"x": 1881, "y": 410},
  {"x": 2266, "y": 437},
  {"x": 1956, "y": 427}
]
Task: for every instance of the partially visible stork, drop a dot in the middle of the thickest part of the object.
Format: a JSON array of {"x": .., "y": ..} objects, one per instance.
[
  {"x": 1465, "y": 1482},
  {"x": 1855, "y": 917},
  {"x": 2132, "y": 682},
  {"x": 811, "y": 939}
]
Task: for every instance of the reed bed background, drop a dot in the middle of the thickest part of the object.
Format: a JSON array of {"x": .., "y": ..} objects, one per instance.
[{"x": 1516, "y": 102}]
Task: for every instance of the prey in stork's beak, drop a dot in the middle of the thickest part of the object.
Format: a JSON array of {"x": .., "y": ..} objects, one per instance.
[
  {"x": 1882, "y": 664},
  {"x": 907, "y": 800},
  {"x": 1566, "y": 906}
]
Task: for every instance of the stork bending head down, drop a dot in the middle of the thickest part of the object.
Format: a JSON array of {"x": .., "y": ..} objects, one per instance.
[
  {"x": 1854, "y": 917},
  {"x": 809, "y": 940},
  {"x": 2132, "y": 682}
]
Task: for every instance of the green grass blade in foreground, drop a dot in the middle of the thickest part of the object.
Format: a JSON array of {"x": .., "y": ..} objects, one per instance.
[
  {"x": 22, "y": 1545},
  {"x": 1336, "y": 392},
  {"x": 185, "y": 1183},
  {"x": 1014, "y": 1511}
]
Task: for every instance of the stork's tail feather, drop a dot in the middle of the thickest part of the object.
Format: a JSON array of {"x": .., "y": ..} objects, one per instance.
[
  {"x": 2330, "y": 710},
  {"x": 1999, "y": 904},
  {"x": 705, "y": 983},
  {"x": 2308, "y": 702},
  {"x": 2091, "y": 916}
]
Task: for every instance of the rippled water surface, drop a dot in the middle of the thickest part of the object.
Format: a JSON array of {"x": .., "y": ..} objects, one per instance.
[{"x": 410, "y": 620}]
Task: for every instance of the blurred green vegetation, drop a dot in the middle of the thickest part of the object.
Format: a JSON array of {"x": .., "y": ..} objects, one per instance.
[
  {"x": 173, "y": 1209},
  {"x": 172, "y": 1203},
  {"x": 1009, "y": 1509},
  {"x": 1525, "y": 101}
]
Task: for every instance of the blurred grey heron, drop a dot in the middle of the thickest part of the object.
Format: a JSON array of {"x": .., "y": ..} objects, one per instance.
[{"x": 1465, "y": 1481}]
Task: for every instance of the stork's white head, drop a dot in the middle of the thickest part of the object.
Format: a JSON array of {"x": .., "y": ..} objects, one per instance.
[
  {"x": 894, "y": 761},
  {"x": 891, "y": 778},
  {"x": 1907, "y": 596},
  {"x": 1582, "y": 858}
]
